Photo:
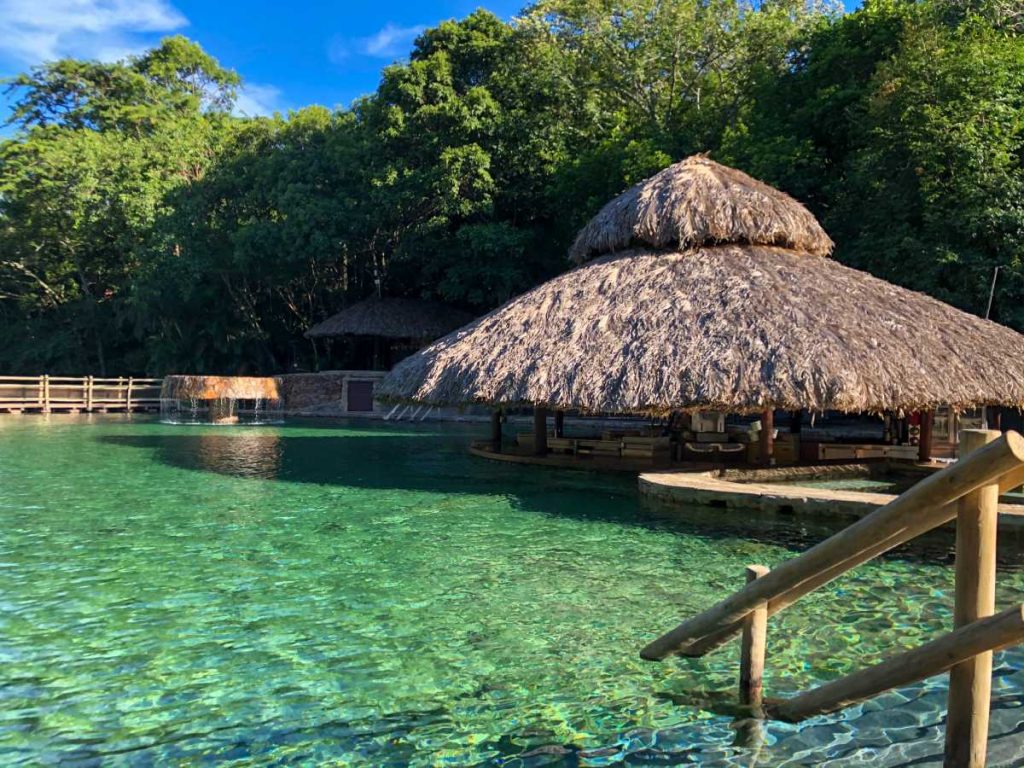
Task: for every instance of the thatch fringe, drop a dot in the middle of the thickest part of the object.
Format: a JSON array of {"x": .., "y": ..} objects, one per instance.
[
  {"x": 732, "y": 328},
  {"x": 699, "y": 202},
  {"x": 221, "y": 387},
  {"x": 393, "y": 318}
]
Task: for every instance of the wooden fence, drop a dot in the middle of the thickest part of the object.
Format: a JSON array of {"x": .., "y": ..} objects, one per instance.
[
  {"x": 968, "y": 492},
  {"x": 78, "y": 394}
]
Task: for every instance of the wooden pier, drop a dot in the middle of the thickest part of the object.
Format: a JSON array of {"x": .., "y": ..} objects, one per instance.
[{"x": 78, "y": 394}]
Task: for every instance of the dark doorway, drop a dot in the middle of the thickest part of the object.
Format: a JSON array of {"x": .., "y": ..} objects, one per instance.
[{"x": 360, "y": 396}]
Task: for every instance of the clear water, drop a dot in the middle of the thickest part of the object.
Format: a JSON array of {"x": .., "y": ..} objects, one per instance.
[{"x": 346, "y": 595}]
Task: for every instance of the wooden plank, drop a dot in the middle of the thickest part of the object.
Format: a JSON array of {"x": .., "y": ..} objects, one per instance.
[
  {"x": 970, "y": 682},
  {"x": 923, "y": 507},
  {"x": 933, "y": 658}
]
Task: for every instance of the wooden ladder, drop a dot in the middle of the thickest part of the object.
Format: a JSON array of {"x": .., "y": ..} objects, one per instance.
[{"x": 967, "y": 491}]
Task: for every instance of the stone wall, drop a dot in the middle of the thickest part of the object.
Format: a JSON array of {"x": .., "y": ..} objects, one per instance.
[{"x": 323, "y": 393}]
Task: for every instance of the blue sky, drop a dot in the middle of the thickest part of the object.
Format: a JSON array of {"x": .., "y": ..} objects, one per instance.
[{"x": 290, "y": 54}]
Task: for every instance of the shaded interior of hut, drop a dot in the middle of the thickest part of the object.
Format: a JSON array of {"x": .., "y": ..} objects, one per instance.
[{"x": 772, "y": 438}]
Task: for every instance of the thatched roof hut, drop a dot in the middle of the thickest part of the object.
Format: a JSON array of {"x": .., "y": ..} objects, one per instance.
[
  {"x": 710, "y": 290},
  {"x": 392, "y": 318}
]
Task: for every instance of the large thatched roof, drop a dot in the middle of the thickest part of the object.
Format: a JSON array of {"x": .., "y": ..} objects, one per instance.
[
  {"x": 392, "y": 318},
  {"x": 725, "y": 327}
]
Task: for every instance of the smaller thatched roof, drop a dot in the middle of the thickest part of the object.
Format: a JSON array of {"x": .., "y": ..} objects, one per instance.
[
  {"x": 698, "y": 202},
  {"x": 392, "y": 318}
]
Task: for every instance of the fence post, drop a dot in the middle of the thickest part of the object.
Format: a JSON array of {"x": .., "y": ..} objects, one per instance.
[
  {"x": 128, "y": 396},
  {"x": 88, "y": 394},
  {"x": 970, "y": 682},
  {"x": 46, "y": 393},
  {"x": 752, "y": 648}
]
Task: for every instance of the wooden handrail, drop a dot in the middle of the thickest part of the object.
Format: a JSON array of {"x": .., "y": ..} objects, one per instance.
[
  {"x": 77, "y": 393},
  {"x": 925, "y": 506},
  {"x": 932, "y": 658}
]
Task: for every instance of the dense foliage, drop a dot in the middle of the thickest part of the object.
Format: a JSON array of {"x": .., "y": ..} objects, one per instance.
[{"x": 145, "y": 228}]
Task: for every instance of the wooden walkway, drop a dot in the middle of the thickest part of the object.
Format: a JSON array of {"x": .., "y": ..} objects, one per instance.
[{"x": 78, "y": 394}]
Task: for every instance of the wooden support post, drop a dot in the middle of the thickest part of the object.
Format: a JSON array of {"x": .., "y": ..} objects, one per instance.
[
  {"x": 924, "y": 443},
  {"x": 128, "y": 395},
  {"x": 752, "y": 648},
  {"x": 559, "y": 423},
  {"x": 540, "y": 431},
  {"x": 970, "y": 682},
  {"x": 496, "y": 430},
  {"x": 995, "y": 418},
  {"x": 46, "y": 393},
  {"x": 767, "y": 437},
  {"x": 88, "y": 393},
  {"x": 933, "y": 658}
]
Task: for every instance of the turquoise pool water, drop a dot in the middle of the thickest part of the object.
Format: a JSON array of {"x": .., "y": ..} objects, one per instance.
[{"x": 369, "y": 595}]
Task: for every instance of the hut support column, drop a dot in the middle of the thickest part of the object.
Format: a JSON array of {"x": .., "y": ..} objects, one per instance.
[
  {"x": 496, "y": 430},
  {"x": 767, "y": 437},
  {"x": 540, "y": 431},
  {"x": 924, "y": 442},
  {"x": 559, "y": 423},
  {"x": 970, "y": 682}
]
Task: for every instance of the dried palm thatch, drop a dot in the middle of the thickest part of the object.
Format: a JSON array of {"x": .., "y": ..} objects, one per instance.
[
  {"x": 738, "y": 327},
  {"x": 699, "y": 202},
  {"x": 729, "y": 328},
  {"x": 392, "y": 318},
  {"x": 220, "y": 388}
]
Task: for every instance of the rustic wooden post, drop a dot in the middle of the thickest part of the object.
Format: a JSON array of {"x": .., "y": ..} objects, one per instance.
[
  {"x": 128, "y": 395},
  {"x": 46, "y": 393},
  {"x": 88, "y": 394},
  {"x": 970, "y": 682},
  {"x": 540, "y": 430},
  {"x": 767, "y": 438},
  {"x": 496, "y": 430},
  {"x": 559, "y": 423},
  {"x": 752, "y": 648},
  {"x": 924, "y": 442}
]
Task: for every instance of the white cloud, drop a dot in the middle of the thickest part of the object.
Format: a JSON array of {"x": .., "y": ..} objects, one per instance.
[
  {"x": 390, "y": 42},
  {"x": 33, "y": 31},
  {"x": 256, "y": 100}
]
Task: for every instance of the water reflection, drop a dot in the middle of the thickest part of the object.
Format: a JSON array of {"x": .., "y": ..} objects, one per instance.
[{"x": 246, "y": 454}]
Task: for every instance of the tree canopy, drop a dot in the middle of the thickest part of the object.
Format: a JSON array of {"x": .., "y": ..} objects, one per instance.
[{"x": 145, "y": 228}]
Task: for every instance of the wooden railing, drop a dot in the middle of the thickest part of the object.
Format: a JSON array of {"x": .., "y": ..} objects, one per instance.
[
  {"x": 967, "y": 491},
  {"x": 74, "y": 394}
]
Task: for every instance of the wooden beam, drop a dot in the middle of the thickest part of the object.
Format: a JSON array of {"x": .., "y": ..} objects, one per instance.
[
  {"x": 496, "y": 430},
  {"x": 924, "y": 442},
  {"x": 752, "y": 648},
  {"x": 540, "y": 431},
  {"x": 970, "y": 682},
  {"x": 767, "y": 437},
  {"x": 933, "y": 658},
  {"x": 923, "y": 507}
]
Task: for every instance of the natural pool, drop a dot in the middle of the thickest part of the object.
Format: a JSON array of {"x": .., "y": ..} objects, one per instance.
[{"x": 351, "y": 594}]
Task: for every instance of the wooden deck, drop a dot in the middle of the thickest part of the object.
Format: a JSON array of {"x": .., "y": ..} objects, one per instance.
[
  {"x": 517, "y": 455},
  {"x": 78, "y": 394},
  {"x": 709, "y": 489}
]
